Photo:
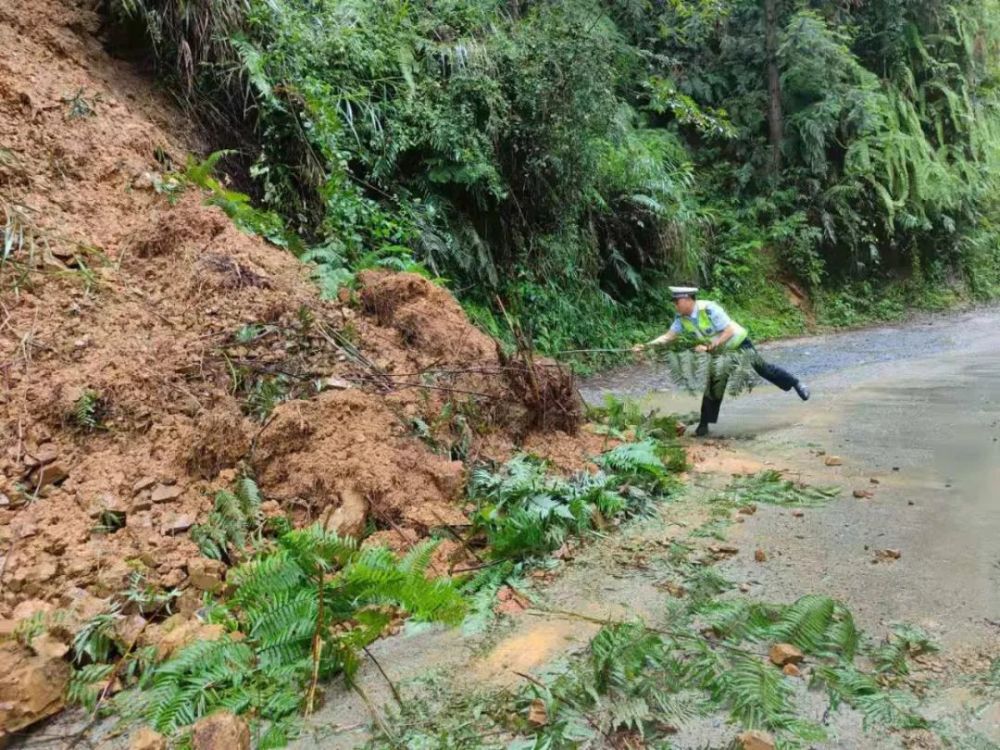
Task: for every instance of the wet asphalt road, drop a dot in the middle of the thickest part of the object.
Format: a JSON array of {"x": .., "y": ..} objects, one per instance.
[{"x": 916, "y": 407}]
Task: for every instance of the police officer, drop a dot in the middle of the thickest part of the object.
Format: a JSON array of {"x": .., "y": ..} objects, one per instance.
[{"x": 707, "y": 325}]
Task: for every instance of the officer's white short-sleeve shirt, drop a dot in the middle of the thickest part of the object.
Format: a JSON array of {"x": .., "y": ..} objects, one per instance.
[{"x": 720, "y": 320}]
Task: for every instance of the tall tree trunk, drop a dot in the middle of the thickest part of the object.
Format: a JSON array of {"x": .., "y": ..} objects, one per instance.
[{"x": 774, "y": 120}]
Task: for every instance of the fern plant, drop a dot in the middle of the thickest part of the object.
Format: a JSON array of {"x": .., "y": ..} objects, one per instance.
[
  {"x": 88, "y": 410},
  {"x": 717, "y": 374},
  {"x": 904, "y": 642},
  {"x": 770, "y": 487},
  {"x": 304, "y": 611},
  {"x": 523, "y": 511},
  {"x": 236, "y": 518}
]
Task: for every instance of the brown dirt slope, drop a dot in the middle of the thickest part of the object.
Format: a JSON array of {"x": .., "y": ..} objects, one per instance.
[{"x": 139, "y": 337}]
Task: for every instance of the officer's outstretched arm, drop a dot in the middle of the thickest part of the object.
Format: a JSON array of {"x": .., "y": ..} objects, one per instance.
[{"x": 658, "y": 341}]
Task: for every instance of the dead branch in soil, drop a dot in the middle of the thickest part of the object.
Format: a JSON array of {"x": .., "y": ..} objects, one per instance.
[{"x": 392, "y": 686}]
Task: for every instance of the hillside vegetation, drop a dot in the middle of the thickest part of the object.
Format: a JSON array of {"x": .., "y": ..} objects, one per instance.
[{"x": 571, "y": 157}]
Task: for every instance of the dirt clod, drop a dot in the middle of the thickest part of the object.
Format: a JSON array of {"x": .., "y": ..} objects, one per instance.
[
  {"x": 164, "y": 493},
  {"x": 863, "y": 494},
  {"x": 48, "y": 474},
  {"x": 760, "y": 555},
  {"x": 350, "y": 517},
  {"x": 205, "y": 574},
  {"x": 784, "y": 653},
  {"x": 147, "y": 739},
  {"x": 143, "y": 484},
  {"x": 184, "y": 633},
  {"x": 178, "y": 523},
  {"x": 886, "y": 555},
  {"x": 220, "y": 730},
  {"x": 32, "y": 686},
  {"x": 833, "y": 461},
  {"x": 538, "y": 715},
  {"x": 790, "y": 670},
  {"x": 755, "y": 739}
]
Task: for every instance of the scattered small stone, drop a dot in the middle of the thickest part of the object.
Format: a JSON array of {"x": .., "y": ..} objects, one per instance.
[
  {"x": 798, "y": 513},
  {"x": 141, "y": 503},
  {"x": 108, "y": 503},
  {"x": 46, "y": 454},
  {"x": 744, "y": 587},
  {"x": 791, "y": 670},
  {"x": 721, "y": 550},
  {"x": 172, "y": 577},
  {"x": 834, "y": 461},
  {"x": 178, "y": 523},
  {"x": 910, "y": 502},
  {"x": 189, "y": 602},
  {"x": 784, "y": 653},
  {"x": 863, "y": 494},
  {"x": 128, "y": 629},
  {"x": 220, "y": 730},
  {"x": 164, "y": 493},
  {"x": 146, "y": 181},
  {"x": 337, "y": 383},
  {"x": 895, "y": 468},
  {"x": 510, "y": 602},
  {"x": 48, "y": 474},
  {"x": 49, "y": 647},
  {"x": 873, "y": 480},
  {"x": 884, "y": 555},
  {"x": 748, "y": 510},
  {"x": 760, "y": 555},
  {"x": 538, "y": 715},
  {"x": 755, "y": 739},
  {"x": 143, "y": 484},
  {"x": 205, "y": 574}
]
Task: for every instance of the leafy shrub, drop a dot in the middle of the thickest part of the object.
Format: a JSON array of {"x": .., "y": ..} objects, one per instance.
[{"x": 573, "y": 158}]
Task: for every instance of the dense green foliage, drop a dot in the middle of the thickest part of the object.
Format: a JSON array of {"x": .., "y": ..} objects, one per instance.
[{"x": 571, "y": 156}]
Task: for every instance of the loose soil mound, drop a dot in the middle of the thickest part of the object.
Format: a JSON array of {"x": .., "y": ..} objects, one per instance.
[{"x": 144, "y": 340}]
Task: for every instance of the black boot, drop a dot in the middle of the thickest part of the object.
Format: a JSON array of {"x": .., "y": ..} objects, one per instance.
[
  {"x": 702, "y": 430},
  {"x": 802, "y": 389}
]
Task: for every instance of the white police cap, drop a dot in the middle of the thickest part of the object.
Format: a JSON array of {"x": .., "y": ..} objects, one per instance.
[{"x": 683, "y": 291}]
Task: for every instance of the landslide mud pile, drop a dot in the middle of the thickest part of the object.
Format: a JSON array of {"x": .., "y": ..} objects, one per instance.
[{"x": 150, "y": 352}]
